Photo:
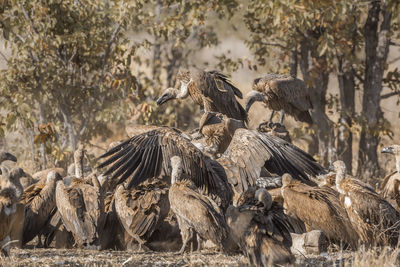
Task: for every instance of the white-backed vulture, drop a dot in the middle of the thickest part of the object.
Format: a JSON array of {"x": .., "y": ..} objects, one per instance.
[
  {"x": 196, "y": 214},
  {"x": 375, "y": 220},
  {"x": 81, "y": 205},
  {"x": 389, "y": 188},
  {"x": 283, "y": 93},
  {"x": 261, "y": 229},
  {"x": 319, "y": 208},
  {"x": 248, "y": 153},
  {"x": 141, "y": 208},
  {"x": 209, "y": 89},
  {"x": 147, "y": 155},
  {"x": 8, "y": 202},
  {"x": 40, "y": 206},
  {"x": 7, "y": 156}
]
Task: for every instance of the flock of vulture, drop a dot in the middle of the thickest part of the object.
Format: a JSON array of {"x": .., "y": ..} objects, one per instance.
[{"x": 247, "y": 191}]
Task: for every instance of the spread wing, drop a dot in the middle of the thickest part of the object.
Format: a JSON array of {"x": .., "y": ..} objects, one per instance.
[
  {"x": 219, "y": 95},
  {"x": 250, "y": 150},
  {"x": 145, "y": 155}
]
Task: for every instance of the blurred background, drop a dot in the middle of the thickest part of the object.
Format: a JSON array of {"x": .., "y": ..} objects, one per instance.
[{"x": 82, "y": 71}]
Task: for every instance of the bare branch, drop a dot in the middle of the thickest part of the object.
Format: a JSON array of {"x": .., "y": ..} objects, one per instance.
[
  {"x": 110, "y": 42},
  {"x": 394, "y": 60},
  {"x": 390, "y": 95},
  {"x": 4, "y": 56},
  {"x": 394, "y": 43},
  {"x": 28, "y": 18}
]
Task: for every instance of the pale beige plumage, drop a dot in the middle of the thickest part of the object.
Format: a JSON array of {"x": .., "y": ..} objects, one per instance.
[{"x": 389, "y": 188}]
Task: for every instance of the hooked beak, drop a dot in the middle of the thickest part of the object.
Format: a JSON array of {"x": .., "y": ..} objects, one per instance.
[
  {"x": 10, "y": 157},
  {"x": 388, "y": 150},
  {"x": 164, "y": 98},
  {"x": 249, "y": 102}
]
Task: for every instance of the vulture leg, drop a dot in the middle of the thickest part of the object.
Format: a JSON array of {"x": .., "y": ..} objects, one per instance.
[
  {"x": 282, "y": 116},
  {"x": 199, "y": 242},
  {"x": 187, "y": 235},
  {"x": 272, "y": 115}
]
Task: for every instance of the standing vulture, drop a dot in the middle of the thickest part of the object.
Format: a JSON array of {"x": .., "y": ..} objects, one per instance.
[
  {"x": 209, "y": 89},
  {"x": 195, "y": 213},
  {"x": 261, "y": 229},
  {"x": 40, "y": 206},
  {"x": 8, "y": 208},
  {"x": 320, "y": 209},
  {"x": 81, "y": 205},
  {"x": 282, "y": 93},
  {"x": 148, "y": 155},
  {"x": 372, "y": 217},
  {"x": 391, "y": 184},
  {"x": 248, "y": 154}
]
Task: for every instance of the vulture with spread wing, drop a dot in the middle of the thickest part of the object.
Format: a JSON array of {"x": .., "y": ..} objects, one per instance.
[
  {"x": 148, "y": 155},
  {"x": 282, "y": 93},
  {"x": 209, "y": 89},
  {"x": 375, "y": 220},
  {"x": 249, "y": 154}
]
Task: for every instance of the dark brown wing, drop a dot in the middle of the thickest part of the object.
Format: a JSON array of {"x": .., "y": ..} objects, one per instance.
[
  {"x": 250, "y": 150},
  {"x": 144, "y": 156},
  {"x": 219, "y": 95}
]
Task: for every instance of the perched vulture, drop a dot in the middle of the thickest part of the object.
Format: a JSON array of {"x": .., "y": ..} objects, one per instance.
[
  {"x": 391, "y": 184},
  {"x": 195, "y": 212},
  {"x": 261, "y": 229},
  {"x": 81, "y": 205},
  {"x": 282, "y": 93},
  {"x": 40, "y": 206},
  {"x": 209, "y": 89},
  {"x": 148, "y": 155},
  {"x": 8, "y": 207},
  {"x": 142, "y": 208},
  {"x": 249, "y": 154},
  {"x": 320, "y": 209},
  {"x": 373, "y": 218}
]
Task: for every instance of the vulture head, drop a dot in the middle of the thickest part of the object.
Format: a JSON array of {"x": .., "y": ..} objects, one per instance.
[
  {"x": 264, "y": 197},
  {"x": 168, "y": 94},
  {"x": 53, "y": 176},
  {"x": 7, "y": 156},
  {"x": 339, "y": 167},
  {"x": 286, "y": 179},
  {"x": 251, "y": 97},
  {"x": 17, "y": 173},
  {"x": 394, "y": 150}
]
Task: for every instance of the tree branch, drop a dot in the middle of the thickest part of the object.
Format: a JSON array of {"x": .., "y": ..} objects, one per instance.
[
  {"x": 390, "y": 95},
  {"x": 28, "y": 18},
  {"x": 110, "y": 42},
  {"x": 5, "y": 58}
]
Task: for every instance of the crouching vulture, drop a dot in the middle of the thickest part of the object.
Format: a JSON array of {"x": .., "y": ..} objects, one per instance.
[
  {"x": 148, "y": 156},
  {"x": 282, "y": 93},
  {"x": 209, "y": 89},
  {"x": 375, "y": 220},
  {"x": 261, "y": 229}
]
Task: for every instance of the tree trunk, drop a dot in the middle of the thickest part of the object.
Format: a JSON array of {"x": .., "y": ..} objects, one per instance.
[
  {"x": 376, "y": 51},
  {"x": 293, "y": 62},
  {"x": 157, "y": 49},
  {"x": 345, "y": 136},
  {"x": 42, "y": 146}
]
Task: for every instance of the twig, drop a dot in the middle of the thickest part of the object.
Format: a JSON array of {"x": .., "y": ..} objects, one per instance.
[
  {"x": 5, "y": 58},
  {"x": 28, "y": 18},
  {"x": 110, "y": 42},
  {"x": 390, "y": 95}
]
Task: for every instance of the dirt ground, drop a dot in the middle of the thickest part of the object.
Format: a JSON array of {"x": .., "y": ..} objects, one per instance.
[{"x": 76, "y": 257}]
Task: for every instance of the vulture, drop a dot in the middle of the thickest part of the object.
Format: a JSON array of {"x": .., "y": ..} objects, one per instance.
[
  {"x": 391, "y": 184},
  {"x": 320, "y": 209},
  {"x": 7, "y": 156},
  {"x": 8, "y": 208},
  {"x": 81, "y": 205},
  {"x": 209, "y": 89},
  {"x": 372, "y": 217},
  {"x": 249, "y": 154},
  {"x": 261, "y": 229},
  {"x": 142, "y": 208},
  {"x": 40, "y": 206},
  {"x": 195, "y": 212},
  {"x": 283, "y": 93},
  {"x": 147, "y": 155}
]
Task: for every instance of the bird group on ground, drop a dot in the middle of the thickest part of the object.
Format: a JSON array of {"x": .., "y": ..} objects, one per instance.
[{"x": 223, "y": 185}]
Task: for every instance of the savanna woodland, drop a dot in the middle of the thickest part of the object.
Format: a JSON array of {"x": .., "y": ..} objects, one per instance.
[{"x": 131, "y": 132}]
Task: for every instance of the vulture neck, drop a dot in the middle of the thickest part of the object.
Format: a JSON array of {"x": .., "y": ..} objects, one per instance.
[
  {"x": 340, "y": 176},
  {"x": 398, "y": 162},
  {"x": 176, "y": 172},
  {"x": 184, "y": 92},
  {"x": 78, "y": 160}
]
